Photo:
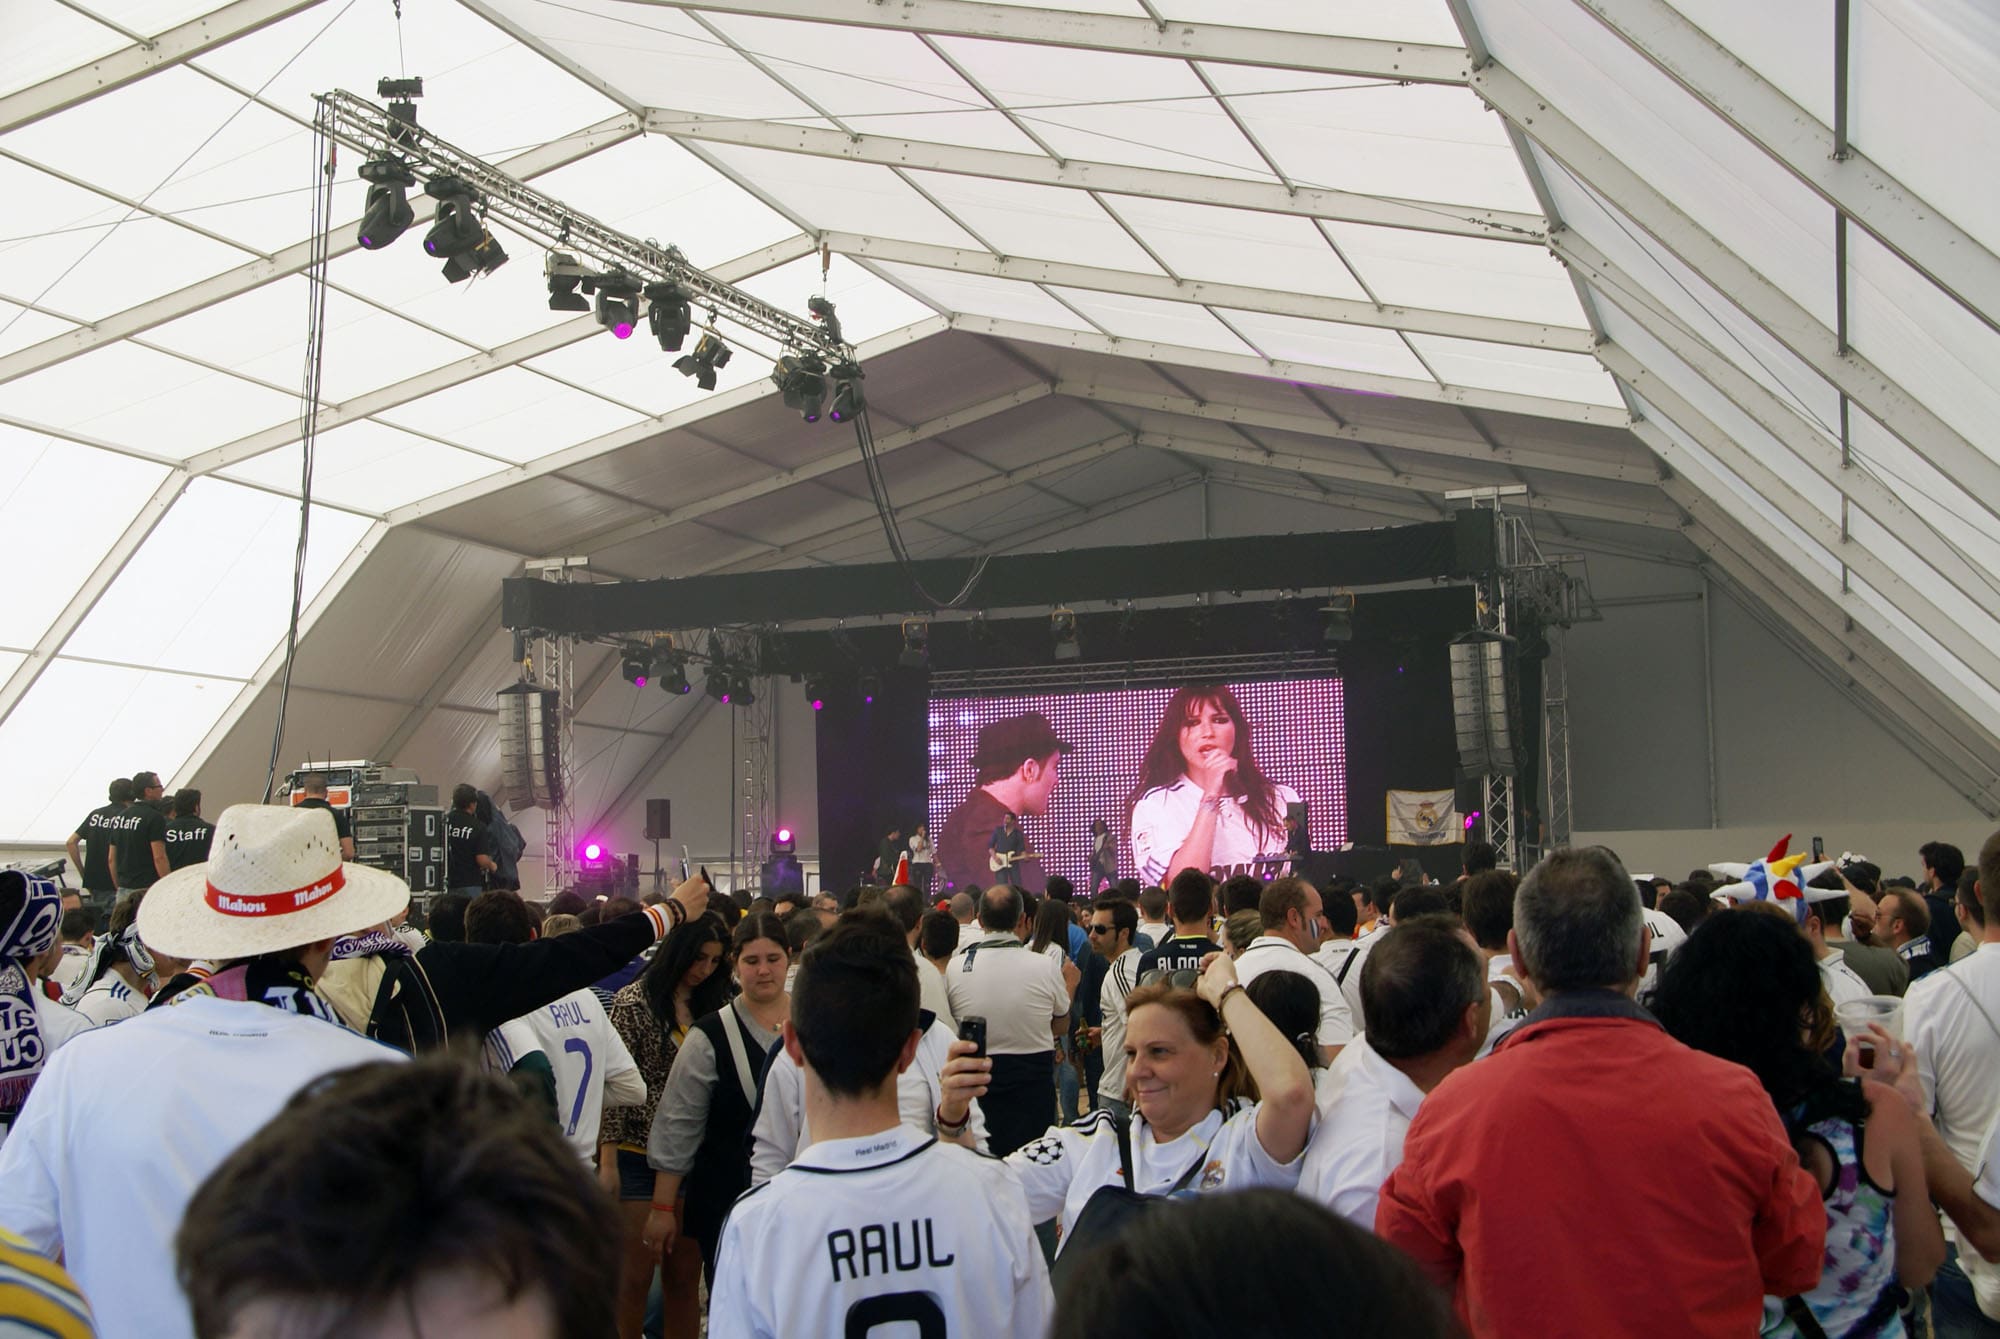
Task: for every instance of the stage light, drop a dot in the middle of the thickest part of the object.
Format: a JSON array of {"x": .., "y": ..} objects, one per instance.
[
  {"x": 719, "y": 683},
  {"x": 916, "y": 644},
  {"x": 618, "y": 305},
  {"x": 822, "y": 311},
  {"x": 816, "y": 692},
  {"x": 847, "y": 399},
  {"x": 456, "y": 228},
  {"x": 671, "y": 673},
  {"x": 481, "y": 259},
  {"x": 871, "y": 684},
  {"x": 636, "y": 664},
  {"x": 1062, "y": 629},
  {"x": 565, "y": 274},
  {"x": 801, "y": 381},
  {"x": 388, "y": 213},
  {"x": 667, "y": 315},
  {"x": 1472, "y": 819},
  {"x": 709, "y": 354},
  {"x": 782, "y": 842},
  {"x": 746, "y": 688},
  {"x": 1339, "y": 611},
  {"x": 593, "y": 852}
]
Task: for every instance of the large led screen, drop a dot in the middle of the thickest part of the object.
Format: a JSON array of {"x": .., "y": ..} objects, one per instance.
[{"x": 1211, "y": 785}]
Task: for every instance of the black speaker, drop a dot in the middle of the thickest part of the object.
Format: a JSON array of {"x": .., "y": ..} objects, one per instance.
[
  {"x": 659, "y": 820},
  {"x": 530, "y": 746},
  {"x": 1482, "y": 703}
]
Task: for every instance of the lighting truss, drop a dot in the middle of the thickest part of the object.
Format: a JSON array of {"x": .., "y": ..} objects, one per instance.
[{"x": 373, "y": 132}]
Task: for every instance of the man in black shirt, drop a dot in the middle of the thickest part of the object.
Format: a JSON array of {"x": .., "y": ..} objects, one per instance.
[
  {"x": 1190, "y": 901},
  {"x": 469, "y": 846},
  {"x": 188, "y": 833},
  {"x": 90, "y": 846},
  {"x": 313, "y": 787},
  {"x": 139, "y": 836},
  {"x": 1015, "y": 767}
]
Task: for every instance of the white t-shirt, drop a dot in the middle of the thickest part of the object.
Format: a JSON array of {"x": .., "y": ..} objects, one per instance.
[
  {"x": 1269, "y": 953},
  {"x": 1357, "y": 958},
  {"x": 1365, "y": 1111},
  {"x": 1019, "y": 993},
  {"x": 1667, "y": 936},
  {"x": 1164, "y": 816},
  {"x": 1120, "y": 980},
  {"x": 1061, "y": 1170},
  {"x": 1152, "y": 933},
  {"x": 593, "y": 1068},
  {"x": 1843, "y": 983},
  {"x": 930, "y": 990},
  {"x": 75, "y": 957},
  {"x": 969, "y": 934},
  {"x": 1958, "y": 1055},
  {"x": 781, "y": 1132},
  {"x": 110, "y": 1000},
  {"x": 79, "y": 1175},
  {"x": 890, "y": 1233}
]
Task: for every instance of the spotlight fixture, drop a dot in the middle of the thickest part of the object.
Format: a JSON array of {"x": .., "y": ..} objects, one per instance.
[
  {"x": 481, "y": 259},
  {"x": 709, "y": 354},
  {"x": 388, "y": 213},
  {"x": 566, "y": 274},
  {"x": 719, "y": 683},
  {"x": 1062, "y": 628},
  {"x": 637, "y": 665},
  {"x": 746, "y": 688},
  {"x": 871, "y": 686},
  {"x": 1339, "y": 611},
  {"x": 670, "y": 672},
  {"x": 801, "y": 380},
  {"x": 816, "y": 691},
  {"x": 916, "y": 644},
  {"x": 456, "y": 228},
  {"x": 783, "y": 842},
  {"x": 668, "y": 315},
  {"x": 822, "y": 311},
  {"x": 618, "y": 304},
  {"x": 847, "y": 399}
]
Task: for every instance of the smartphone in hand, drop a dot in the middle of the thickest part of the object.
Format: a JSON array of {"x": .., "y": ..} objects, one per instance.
[
  {"x": 1819, "y": 850},
  {"x": 973, "y": 1029}
]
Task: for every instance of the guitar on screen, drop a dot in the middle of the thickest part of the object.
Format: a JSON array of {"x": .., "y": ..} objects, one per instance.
[{"x": 1000, "y": 860}]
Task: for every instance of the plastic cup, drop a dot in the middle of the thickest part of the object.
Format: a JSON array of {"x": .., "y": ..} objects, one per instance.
[{"x": 1885, "y": 1011}]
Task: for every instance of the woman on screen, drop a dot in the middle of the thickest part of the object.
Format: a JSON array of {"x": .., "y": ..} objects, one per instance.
[{"x": 1201, "y": 802}]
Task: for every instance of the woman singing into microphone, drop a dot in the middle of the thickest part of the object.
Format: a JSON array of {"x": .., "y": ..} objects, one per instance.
[{"x": 1200, "y": 801}]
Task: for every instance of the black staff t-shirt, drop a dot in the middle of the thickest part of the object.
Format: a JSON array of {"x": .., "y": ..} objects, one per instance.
[
  {"x": 135, "y": 829},
  {"x": 187, "y": 841},
  {"x": 466, "y": 839},
  {"x": 97, "y": 838},
  {"x": 343, "y": 826}
]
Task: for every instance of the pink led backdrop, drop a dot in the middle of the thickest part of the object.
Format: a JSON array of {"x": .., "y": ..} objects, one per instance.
[{"x": 1298, "y": 733}]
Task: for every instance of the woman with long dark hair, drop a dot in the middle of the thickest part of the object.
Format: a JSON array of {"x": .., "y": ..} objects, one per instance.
[
  {"x": 683, "y": 982},
  {"x": 699, "y": 1148},
  {"x": 1745, "y": 987},
  {"x": 1201, "y": 801}
]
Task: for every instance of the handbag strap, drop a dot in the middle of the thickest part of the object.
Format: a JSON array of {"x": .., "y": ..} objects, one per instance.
[
  {"x": 1124, "y": 1129},
  {"x": 733, "y": 1035},
  {"x": 1802, "y": 1318}
]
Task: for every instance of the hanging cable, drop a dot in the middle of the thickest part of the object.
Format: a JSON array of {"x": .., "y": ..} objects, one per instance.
[
  {"x": 325, "y": 156},
  {"x": 878, "y": 488}
]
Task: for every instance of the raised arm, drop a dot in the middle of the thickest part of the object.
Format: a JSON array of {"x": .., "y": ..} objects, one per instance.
[{"x": 1284, "y": 1085}]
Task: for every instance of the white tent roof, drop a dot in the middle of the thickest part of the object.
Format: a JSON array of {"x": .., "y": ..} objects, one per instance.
[{"x": 1329, "y": 258}]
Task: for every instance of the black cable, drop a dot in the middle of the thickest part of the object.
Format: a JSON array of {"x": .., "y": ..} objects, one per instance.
[
  {"x": 325, "y": 153},
  {"x": 878, "y": 488}
]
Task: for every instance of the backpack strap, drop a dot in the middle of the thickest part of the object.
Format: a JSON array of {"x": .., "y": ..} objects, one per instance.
[
  {"x": 1346, "y": 965},
  {"x": 1802, "y": 1318}
]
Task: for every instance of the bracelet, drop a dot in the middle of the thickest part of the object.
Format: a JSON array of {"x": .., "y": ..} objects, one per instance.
[
  {"x": 664, "y": 1208},
  {"x": 947, "y": 1127},
  {"x": 1223, "y": 998}
]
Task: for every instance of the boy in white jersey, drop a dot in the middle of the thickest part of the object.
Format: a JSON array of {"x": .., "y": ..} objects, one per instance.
[
  {"x": 881, "y": 1225},
  {"x": 590, "y": 1064}
]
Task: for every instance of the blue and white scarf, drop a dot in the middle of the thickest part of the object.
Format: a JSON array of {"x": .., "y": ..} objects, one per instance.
[{"x": 26, "y": 936}]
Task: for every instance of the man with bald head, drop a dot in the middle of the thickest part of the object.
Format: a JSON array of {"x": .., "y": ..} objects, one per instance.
[{"x": 1024, "y": 998}]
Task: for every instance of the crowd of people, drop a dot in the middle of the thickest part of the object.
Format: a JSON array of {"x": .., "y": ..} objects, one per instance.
[{"x": 1568, "y": 1103}]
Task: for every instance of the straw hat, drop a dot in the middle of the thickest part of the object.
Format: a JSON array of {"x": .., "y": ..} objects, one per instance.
[{"x": 274, "y": 880}]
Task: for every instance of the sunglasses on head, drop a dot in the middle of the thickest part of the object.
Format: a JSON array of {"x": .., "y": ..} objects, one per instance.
[{"x": 1183, "y": 979}]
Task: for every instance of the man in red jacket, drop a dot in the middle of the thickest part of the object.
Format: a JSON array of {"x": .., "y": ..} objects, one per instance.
[{"x": 1593, "y": 1176}]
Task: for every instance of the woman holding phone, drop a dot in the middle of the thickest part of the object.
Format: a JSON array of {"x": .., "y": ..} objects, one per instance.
[{"x": 1201, "y": 801}]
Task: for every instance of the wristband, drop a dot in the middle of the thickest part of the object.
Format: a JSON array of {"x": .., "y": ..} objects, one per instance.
[
  {"x": 1223, "y": 998},
  {"x": 948, "y": 1127},
  {"x": 664, "y": 1208}
]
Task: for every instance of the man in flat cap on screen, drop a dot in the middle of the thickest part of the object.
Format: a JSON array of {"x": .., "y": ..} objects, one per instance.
[{"x": 1014, "y": 775}]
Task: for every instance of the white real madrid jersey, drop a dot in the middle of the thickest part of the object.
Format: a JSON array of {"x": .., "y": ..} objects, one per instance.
[{"x": 888, "y": 1236}]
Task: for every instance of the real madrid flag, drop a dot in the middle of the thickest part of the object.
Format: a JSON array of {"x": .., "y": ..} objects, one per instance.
[{"x": 1423, "y": 818}]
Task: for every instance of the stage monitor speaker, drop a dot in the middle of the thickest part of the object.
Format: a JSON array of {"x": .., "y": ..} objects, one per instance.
[
  {"x": 1482, "y": 704},
  {"x": 659, "y": 820},
  {"x": 531, "y": 746},
  {"x": 782, "y": 874}
]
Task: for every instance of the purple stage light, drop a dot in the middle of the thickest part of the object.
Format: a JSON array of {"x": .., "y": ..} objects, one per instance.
[
  {"x": 639, "y": 682},
  {"x": 818, "y": 703},
  {"x": 592, "y": 851},
  {"x": 1472, "y": 819},
  {"x": 623, "y": 330},
  {"x": 784, "y": 834}
]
